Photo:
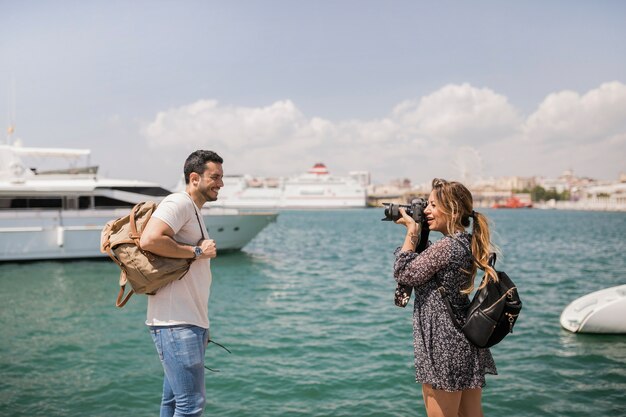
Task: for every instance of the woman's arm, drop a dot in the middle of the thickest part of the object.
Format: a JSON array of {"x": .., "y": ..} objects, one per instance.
[{"x": 415, "y": 269}]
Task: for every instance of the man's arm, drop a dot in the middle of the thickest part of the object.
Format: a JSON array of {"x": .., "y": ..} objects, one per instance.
[{"x": 158, "y": 238}]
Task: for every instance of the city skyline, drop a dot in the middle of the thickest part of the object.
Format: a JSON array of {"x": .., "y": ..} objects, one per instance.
[{"x": 400, "y": 89}]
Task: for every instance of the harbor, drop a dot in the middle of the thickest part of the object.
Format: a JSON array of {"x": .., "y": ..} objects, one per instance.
[
  {"x": 567, "y": 192},
  {"x": 318, "y": 119},
  {"x": 310, "y": 320}
]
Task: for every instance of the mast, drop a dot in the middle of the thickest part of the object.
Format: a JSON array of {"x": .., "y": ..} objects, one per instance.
[{"x": 11, "y": 112}]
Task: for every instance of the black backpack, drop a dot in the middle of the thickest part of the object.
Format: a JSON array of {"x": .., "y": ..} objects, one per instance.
[{"x": 493, "y": 311}]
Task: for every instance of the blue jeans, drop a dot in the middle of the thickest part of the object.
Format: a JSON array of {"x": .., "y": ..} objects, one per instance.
[{"x": 181, "y": 350}]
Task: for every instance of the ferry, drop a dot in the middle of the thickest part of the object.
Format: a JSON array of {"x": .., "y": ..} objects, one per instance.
[
  {"x": 60, "y": 213},
  {"x": 315, "y": 189},
  {"x": 513, "y": 203}
]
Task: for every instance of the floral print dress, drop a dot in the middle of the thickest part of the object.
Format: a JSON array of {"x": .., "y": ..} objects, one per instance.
[{"x": 444, "y": 358}]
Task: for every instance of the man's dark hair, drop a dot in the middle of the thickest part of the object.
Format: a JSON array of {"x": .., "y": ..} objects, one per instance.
[{"x": 196, "y": 162}]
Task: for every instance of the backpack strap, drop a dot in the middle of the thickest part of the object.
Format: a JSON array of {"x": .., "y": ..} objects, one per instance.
[
  {"x": 134, "y": 234},
  {"x": 492, "y": 256},
  {"x": 106, "y": 248},
  {"x": 121, "y": 302},
  {"x": 446, "y": 302}
]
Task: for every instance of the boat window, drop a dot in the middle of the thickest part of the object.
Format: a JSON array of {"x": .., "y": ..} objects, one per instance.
[
  {"x": 56, "y": 203},
  {"x": 71, "y": 202},
  {"x": 31, "y": 203},
  {"x": 85, "y": 202},
  {"x": 102, "y": 202}
]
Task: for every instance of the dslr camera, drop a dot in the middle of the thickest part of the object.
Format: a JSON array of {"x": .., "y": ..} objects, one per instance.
[{"x": 415, "y": 210}]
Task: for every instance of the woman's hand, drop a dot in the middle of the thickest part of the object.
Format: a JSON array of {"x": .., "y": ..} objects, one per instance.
[
  {"x": 411, "y": 226},
  {"x": 413, "y": 230}
]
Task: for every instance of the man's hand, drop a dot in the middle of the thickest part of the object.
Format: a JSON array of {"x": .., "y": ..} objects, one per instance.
[{"x": 208, "y": 249}]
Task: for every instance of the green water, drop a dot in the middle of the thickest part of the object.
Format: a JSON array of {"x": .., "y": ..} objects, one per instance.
[{"x": 307, "y": 311}]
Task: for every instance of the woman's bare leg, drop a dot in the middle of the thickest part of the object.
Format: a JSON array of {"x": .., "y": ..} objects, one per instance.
[
  {"x": 441, "y": 403},
  {"x": 471, "y": 404}
]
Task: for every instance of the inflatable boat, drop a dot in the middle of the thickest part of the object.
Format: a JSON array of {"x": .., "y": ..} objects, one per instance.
[{"x": 601, "y": 311}]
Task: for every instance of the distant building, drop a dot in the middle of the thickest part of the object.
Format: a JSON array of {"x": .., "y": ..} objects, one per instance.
[
  {"x": 587, "y": 193},
  {"x": 605, "y": 197},
  {"x": 515, "y": 183},
  {"x": 567, "y": 181},
  {"x": 362, "y": 177},
  {"x": 398, "y": 191},
  {"x": 505, "y": 184},
  {"x": 551, "y": 184},
  {"x": 584, "y": 193}
]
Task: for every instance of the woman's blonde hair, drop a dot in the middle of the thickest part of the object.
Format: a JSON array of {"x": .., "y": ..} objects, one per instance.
[{"x": 456, "y": 203}]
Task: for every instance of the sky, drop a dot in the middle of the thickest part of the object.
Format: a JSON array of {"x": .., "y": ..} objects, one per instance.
[{"x": 403, "y": 89}]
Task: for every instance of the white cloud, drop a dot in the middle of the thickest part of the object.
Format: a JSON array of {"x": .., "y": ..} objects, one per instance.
[
  {"x": 461, "y": 114},
  {"x": 458, "y": 131},
  {"x": 235, "y": 128},
  {"x": 568, "y": 117}
]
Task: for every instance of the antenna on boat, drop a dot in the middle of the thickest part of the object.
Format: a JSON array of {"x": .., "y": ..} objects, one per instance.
[{"x": 11, "y": 112}]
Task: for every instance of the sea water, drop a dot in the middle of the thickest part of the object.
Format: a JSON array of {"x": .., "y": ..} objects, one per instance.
[{"x": 307, "y": 311}]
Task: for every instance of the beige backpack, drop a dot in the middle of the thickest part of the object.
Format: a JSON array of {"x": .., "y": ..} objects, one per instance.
[{"x": 145, "y": 271}]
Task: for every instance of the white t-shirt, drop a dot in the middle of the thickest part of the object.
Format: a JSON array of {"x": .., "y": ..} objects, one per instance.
[{"x": 185, "y": 301}]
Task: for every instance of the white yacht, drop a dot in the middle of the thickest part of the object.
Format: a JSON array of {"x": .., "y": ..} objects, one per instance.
[
  {"x": 316, "y": 189},
  {"x": 59, "y": 214}
]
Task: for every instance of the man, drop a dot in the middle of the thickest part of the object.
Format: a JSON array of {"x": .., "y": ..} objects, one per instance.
[{"x": 178, "y": 313}]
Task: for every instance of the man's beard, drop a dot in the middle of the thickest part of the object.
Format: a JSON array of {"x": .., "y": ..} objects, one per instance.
[{"x": 209, "y": 197}]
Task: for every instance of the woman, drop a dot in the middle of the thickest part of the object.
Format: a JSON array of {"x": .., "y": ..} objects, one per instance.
[{"x": 450, "y": 369}]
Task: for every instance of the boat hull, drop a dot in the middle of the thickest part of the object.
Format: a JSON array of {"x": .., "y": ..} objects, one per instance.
[
  {"x": 75, "y": 234},
  {"x": 598, "y": 312}
]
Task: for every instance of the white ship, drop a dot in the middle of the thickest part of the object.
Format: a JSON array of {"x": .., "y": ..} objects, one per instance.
[
  {"x": 59, "y": 214},
  {"x": 316, "y": 189}
]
